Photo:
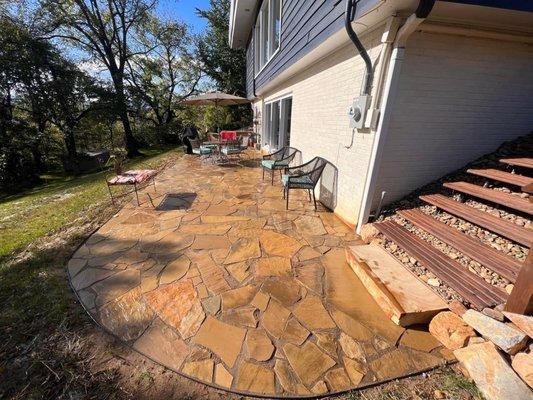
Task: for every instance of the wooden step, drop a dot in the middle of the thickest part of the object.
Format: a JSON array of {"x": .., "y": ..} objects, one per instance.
[
  {"x": 502, "y": 176},
  {"x": 525, "y": 162},
  {"x": 529, "y": 190},
  {"x": 493, "y": 196},
  {"x": 505, "y": 266},
  {"x": 481, "y": 218},
  {"x": 401, "y": 295},
  {"x": 471, "y": 287}
]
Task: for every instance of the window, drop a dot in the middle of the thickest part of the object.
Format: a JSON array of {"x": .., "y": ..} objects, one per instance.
[
  {"x": 277, "y": 123},
  {"x": 267, "y": 32}
]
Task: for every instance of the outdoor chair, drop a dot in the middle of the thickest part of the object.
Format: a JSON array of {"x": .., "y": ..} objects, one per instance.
[
  {"x": 278, "y": 160},
  {"x": 232, "y": 149},
  {"x": 200, "y": 149},
  {"x": 303, "y": 176}
]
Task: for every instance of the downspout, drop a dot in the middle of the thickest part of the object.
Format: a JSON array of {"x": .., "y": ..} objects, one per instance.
[
  {"x": 389, "y": 96},
  {"x": 349, "y": 16}
]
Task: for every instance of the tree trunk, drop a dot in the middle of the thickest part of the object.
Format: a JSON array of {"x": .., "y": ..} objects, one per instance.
[
  {"x": 72, "y": 152},
  {"x": 132, "y": 146}
]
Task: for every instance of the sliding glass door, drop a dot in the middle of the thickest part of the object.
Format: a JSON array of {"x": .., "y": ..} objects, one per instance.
[{"x": 277, "y": 127}]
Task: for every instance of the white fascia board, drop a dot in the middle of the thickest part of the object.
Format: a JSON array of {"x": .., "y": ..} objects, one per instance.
[{"x": 241, "y": 21}]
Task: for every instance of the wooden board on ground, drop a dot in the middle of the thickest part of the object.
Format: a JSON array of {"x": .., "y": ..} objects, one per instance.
[
  {"x": 518, "y": 162},
  {"x": 496, "y": 261},
  {"x": 494, "y": 196},
  {"x": 403, "y": 297},
  {"x": 471, "y": 287},
  {"x": 485, "y": 220},
  {"x": 501, "y": 176}
]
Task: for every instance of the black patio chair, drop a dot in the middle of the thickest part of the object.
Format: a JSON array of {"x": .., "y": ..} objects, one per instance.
[
  {"x": 278, "y": 160},
  {"x": 304, "y": 176}
]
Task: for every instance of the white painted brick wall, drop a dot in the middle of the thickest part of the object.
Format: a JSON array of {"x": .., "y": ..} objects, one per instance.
[
  {"x": 458, "y": 98},
  {"x": 321, "y": 97}
]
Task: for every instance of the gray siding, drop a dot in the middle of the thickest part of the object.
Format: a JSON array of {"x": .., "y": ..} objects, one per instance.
[{"x": 304, "y": 25}]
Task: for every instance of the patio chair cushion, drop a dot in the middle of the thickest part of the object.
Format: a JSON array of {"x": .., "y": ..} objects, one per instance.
[
  {"x": 228, "y": 151},
  {"x": 202, "y": 150},
  {"x": 302, "y": 182},
  {"x": 273, "y": 164}
]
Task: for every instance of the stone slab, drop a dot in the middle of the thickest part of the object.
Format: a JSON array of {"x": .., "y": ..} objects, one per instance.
[
  {"x": 163, "y": 345},
  {"x": 308, "y": 361},
  {"x": 222, "y": 339},
  {"x": 312, "y": 314},
  {"x": 128, "y": 316},
  {"x": 522, "y": 322},
  {"x": 493, "y": 376},
  {"x": 178, "y": 305},
  {"x": 255, "y": 378},
  {"x": 259, "y": 345},
  {"x": 451, "y": 330},
  {"x": 506, "y": 338}
]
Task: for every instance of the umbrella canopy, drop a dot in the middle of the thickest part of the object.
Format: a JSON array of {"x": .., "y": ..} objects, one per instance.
[{"x": 215, "y": 99}]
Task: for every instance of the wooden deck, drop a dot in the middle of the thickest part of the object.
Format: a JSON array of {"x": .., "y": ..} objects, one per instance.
[
  {"x": 507, "y": 267},
  {"x": 494, "y": 196},
  {"x": 471, "y": 287},
  {"x": 483, "y": 219},
  {"x": 502, "y": 176}
]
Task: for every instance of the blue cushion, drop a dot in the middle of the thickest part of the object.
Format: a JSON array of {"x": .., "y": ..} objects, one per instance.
[
  {"x": 202, "y": 150},
  {"x": 228, "y": 151},
  {"x": 267, "y": 163},
  {"x": 273, "y": 164},
  {"x": 303, "y": 182}
]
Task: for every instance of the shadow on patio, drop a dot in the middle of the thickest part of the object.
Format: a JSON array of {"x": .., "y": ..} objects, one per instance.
[{"x": 236, "y": 292}]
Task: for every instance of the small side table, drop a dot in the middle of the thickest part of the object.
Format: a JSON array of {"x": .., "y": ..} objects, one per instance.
[{"x": 134, "y": 178}]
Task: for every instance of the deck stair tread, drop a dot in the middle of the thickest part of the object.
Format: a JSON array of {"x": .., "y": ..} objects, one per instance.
[
  {"x": 491, "y": 195},
  {"x": 525, "y": 162},
  {"x": 400, "y": 293},
  {"x": 470, "y": 286},
  {"x": 496, "y": 261},
  {"x": 481, "y": 218},
  {"x": 502, "y": 176}
]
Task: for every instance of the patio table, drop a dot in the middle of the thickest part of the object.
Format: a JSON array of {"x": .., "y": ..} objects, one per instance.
[
  {"x": 218, "y": 156},
  {"x": 132, "y": 177}
]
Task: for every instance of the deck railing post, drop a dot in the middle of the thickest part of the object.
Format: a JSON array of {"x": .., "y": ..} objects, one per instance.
[{"x": 520, "y": 300}]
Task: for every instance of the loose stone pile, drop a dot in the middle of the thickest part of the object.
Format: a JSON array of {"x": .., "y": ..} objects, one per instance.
[
  {"x": 221, "y": 284},
  {"x": 499, "y": 361}
]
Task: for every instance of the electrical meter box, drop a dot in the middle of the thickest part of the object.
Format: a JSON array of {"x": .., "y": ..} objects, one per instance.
[{"x": 358, "y": 111}]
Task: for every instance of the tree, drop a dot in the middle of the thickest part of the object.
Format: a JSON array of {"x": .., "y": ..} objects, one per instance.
[
  {"x": 107, "y": 30},
  {"x": 226, "y": 66},
  {"x": 165, "y": 73}
]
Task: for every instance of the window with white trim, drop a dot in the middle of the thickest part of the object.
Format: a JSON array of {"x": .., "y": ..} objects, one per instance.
[{"x": 267, "y": 33}]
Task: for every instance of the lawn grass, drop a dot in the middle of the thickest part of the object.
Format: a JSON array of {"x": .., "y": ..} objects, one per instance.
[
  {"x": 43, "y": 331},
  {"x": 40, "y": 211}
]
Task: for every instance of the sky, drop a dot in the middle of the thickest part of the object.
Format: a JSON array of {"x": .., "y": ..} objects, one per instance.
[{"x": 184, "y": 10}]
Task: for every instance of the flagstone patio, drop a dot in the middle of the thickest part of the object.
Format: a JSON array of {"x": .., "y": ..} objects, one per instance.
[{"x": 220, "y": 283}]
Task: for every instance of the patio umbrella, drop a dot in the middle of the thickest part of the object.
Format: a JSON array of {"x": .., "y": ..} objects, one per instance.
[{"x": 217, "y": 99}]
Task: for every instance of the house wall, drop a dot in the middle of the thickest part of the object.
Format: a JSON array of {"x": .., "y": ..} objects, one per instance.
[
  {"x": 458, "y": 98},
  {"x": 305, "y": 24},
  {"x": 321, "y": 96}
]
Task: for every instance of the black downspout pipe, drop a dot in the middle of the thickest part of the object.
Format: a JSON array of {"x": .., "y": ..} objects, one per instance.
[
  {"x": 351, "y": 8},
  {"x": 424, "y": 8}
]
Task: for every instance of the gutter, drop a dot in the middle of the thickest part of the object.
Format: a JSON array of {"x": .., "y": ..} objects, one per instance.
[{"x": 389, "y": 97}]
